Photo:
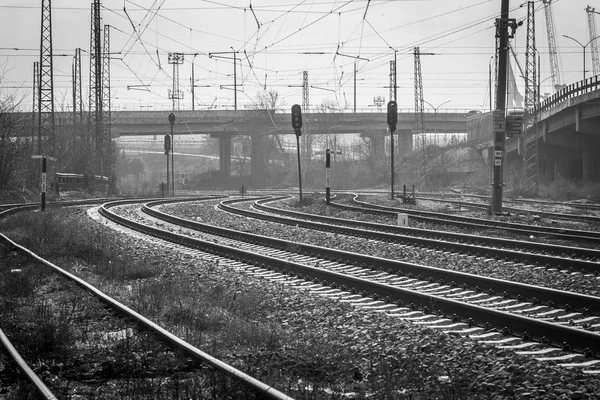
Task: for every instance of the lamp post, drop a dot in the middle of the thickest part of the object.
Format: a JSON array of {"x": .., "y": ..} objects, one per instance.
[
  {"x": 583, "y": 47},
  {"x": 435, "y": 110}
]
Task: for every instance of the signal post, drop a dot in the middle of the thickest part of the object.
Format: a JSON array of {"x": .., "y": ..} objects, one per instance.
[{"x": 297, "y": 125}]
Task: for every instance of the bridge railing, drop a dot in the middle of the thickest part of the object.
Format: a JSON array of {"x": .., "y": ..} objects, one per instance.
[{"x": 576, "y": 89}]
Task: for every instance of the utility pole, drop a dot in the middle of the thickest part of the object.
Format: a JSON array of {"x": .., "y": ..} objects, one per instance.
[
  {"x": 490, "y": 83},
  {"x": 234, "y": 79},
  {"x": 217, "y": 55},
  {"x": 499, "y": 119},
  {"x": 193, "y": 83},
  {"x": 356, "y": 58}
]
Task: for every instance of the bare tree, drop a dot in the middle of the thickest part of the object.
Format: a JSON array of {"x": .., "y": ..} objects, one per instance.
[{"x": 16, "y": 167}]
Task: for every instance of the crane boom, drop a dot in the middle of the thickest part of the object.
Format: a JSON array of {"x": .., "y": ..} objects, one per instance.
[
  {"x": 554, "y": 64},
  {"x": 594, "y": 43}
]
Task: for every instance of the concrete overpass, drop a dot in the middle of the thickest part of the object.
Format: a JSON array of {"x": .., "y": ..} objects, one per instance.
[
  {"x": 259, "y": 125},
  {"x": 568, "y": 132}
]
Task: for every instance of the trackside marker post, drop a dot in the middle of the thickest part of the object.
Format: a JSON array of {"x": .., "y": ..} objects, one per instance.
[
  {"x": 327, "y": 181},
  {"x": 44, "y": 176}
]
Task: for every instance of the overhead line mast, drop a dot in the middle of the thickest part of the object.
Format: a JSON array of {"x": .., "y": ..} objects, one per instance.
[
  {"x": 530, "y": 156},
  {"x": 95, "y": 97},
  {"x": 46, "y": 142},
  {"x": 419, "y": 119}
]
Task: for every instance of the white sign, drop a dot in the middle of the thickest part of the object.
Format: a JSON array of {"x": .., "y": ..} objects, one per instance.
[
  {"x": 498, "y": 153},
  {"x": 498, "y": 162}
]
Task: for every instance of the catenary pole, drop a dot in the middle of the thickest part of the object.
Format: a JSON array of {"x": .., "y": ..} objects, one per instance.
[{"x": 502, "y": 25}]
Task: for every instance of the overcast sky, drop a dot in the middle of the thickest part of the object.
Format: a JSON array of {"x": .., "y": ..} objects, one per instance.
[{"x": 276, "y": 40}]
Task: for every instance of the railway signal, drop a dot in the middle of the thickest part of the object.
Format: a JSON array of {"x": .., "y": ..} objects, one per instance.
[
  {"x": 167, "y": 144},
  {"x": 297, "y": 119},
  {"x": 297, "y": 124},
  {"x": 392, "y": 120}
]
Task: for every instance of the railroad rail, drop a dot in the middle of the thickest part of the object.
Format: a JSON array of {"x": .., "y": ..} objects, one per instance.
[
  {"x": 481, "y": 246},
  {"x": 485, "y": 206},
  {"x": 319, "y": 258},
  {"x": 261, "y": 390},
  {"x": 471, "y": 222}
]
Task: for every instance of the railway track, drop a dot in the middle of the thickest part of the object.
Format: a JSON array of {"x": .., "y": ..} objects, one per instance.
[
  {"x": 525, "y": 230},
  {"x": 206, "y": 375},
  {"x": 409, "y": 291},
  {"x": 483, "y": 204},
  {"x": 528, "y": 253}
]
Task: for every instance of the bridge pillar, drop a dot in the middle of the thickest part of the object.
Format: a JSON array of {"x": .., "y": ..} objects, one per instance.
[
  {"x": 225, "y": 155},
  {"x": 405, "y": 142},
  {"x": 591, "y": 161},
  {"x": 258, "y": 160},
  {"x": 563, "y": 161},
  {"x": 377, "y": 141}
]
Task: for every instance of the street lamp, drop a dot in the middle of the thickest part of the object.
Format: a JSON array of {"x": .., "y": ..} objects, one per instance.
[
  {"x": 435, "y": 110},
  {"x": 583, "y": 47}
]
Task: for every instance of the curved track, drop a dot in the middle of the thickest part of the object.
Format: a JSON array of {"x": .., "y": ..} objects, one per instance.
[
  {"x": 251, "y": 384},
  {"x": 358, "y": 273}
]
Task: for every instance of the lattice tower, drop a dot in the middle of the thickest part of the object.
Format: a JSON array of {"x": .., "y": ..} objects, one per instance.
[
  {"x": 419, "y": 120},
  {"x": 175, "y": 94},
  {"x": 496, "y": 68},
  {"x": 392, "y": 96},
  {"x": 46, "y": 142},
  {"x": 530, "y": 156},
  {"x": 594, "y": 42},
  {"x": 551, "y": 32},
  {"x": 95, "y": 99},
  {"x": 305, "y": 109},
  {"x": 305, "y": 104},
  {"x": 77, "y": 98},
  {"x": 35, "y": 110},
  {"x": 106, "y": 116}
]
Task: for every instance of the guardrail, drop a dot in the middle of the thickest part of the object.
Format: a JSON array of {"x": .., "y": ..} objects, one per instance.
[{"x": 578, "y": 88}]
